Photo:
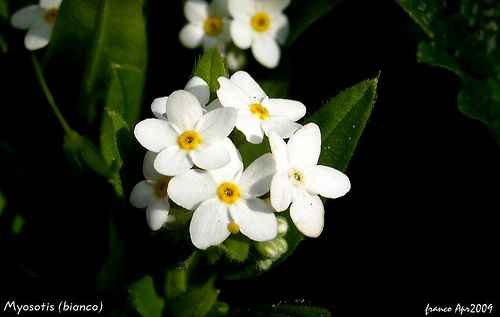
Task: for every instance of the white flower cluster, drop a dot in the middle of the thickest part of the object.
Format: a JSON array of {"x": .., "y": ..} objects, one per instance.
[
  {"x": 256, "y": 24},
  {"x": 192, "y": 161}
]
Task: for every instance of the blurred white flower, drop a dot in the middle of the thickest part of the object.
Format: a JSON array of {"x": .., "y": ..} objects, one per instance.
[
  {"x": 235, "y": 59},
  {"x": 261, "y": 25},
  {"x": 257, "y": 113},
  {"x": 39, "y": 20},
  {"x": 208, "y": 25},
  {"x": 151, "y": 193},
  {"x": 187, "y": 136},
  {"x": 225, "y": 201},
  {"x": 299, "y": 180}
]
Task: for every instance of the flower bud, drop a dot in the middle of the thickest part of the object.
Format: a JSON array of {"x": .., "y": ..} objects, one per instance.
[
  {"x": 282, "y": 226},
  {"x": 264, "y": 265}
]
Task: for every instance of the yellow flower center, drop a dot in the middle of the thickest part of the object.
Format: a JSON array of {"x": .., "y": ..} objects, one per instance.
[
  {"x": 161, "y": 186},
  {"x": 296, "y": 177},
  {"x": 50, "y": 16},
  {"x": 259, "y": 111},
  {"x": 189, "y": 140},
  {"x": 212, "y": 26},
  {"x": 261, "y": 22},
  {"x": 228, "y": 192},
  {"x": 233, "y": 227}
]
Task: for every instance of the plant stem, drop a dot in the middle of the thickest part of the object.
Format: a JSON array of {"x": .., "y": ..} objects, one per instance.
[{"x": 48, "y": 95}]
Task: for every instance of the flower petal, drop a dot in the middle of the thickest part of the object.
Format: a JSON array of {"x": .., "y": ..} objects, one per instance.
[
  {"x": 304, "y": 146},
  {"x": 199, "y": 88},
  {"x": 307, "y": 213},
  {"x": 196, "y": 11},
  {"x": 280, "y": 28},
  {"x": 231, "y": 95},
  {"x": 241, "y": 9},
  {"x": 232, "y": 170},
  {"x": 142, "y": 194},
  {"x": 255, "y": 218},
  {"x": 281, "y": 191},
  {"x": 172, "y": 161},
  {"x": 217, "y": 124},
  {"x": 190, "y": 189},
  {"x": 183, "y": 110},
  {"x": 273, "y": 7},
  {"x": 191, "y": 35},
  {"x": 266, "y": 51},
  {"x": 326, "y": 181},
  {"x": 213, "y": 105},
  {"x": 209, "y": 224},
  {"x": 159, "y": 107},
  {"x": 25, "y": 17},
  {"x": 256, "y": 179},
  {"x": 249, "y": 86},
  {"x": 241, "y": 33},
  {"x": 210, "y": 156},
  {"x": 157, "y": 214},
  {"x": 291, "y": 109},
  {"x": 250, "y": 126},
  {"x": 38, "y": 35},
  {"x": 282, "y": 126},
  {"x": 155, "y": 134},
  {"x": 279, "y": 150},
  {"x": 50, "y": 4},
  {"x": 148, "y": 169}
]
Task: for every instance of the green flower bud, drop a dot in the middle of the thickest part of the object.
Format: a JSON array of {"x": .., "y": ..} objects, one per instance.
[
  {"x": 264, "y": 265},
  {"x": 282, "y": 226}
]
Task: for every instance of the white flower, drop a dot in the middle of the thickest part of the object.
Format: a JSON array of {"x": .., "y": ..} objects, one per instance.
[
  {"x": 259, "y": 24},
  {"x": 225, "y": 201},
  {"x": 257, "y": 113},
  {"x": 152, "y": 194},
  {"x": 299, "y": 180},
  {"x": 39, "y": 21},
  {"x": 198, "y": 87},
  {"x": 207, "y": 24},
  {"x": 187, "y": 136}
]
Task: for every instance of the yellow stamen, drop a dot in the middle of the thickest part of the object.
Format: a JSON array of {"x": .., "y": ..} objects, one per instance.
[
  {"x": 233, "y": 227},
  {"x": 161, "y": 186},
  {"x": 50, "y": 16},
  {"x": 296, "y": 177},
  {"x": 261, "y": 22},
  {"x": 189, "y": 140},
  {"x": 228, "y": 193},
  {"x": 259, "y": 111},
  {"x": 212, "y": 26}
]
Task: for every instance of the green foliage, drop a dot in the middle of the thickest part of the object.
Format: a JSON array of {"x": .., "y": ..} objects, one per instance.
[
  {"x": 112, "y": 272},
  {"x": 83, "y": 154},
  {"x": 236, "y": 248},
  {"x": 144, "y": 298},
  {"x": 209, "y": 67},
  {"x": 197, "y": 302},
  {"x": 17, "y": 224},
  {"x": 4, "y": 10},
  {"x": 177, "y": 278},
  {"x": 464, "y": 38},
  {"x": 3, "y": 203}
]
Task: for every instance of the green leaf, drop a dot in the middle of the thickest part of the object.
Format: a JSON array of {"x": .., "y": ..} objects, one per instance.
[
  {"x": 17, "y": 224},
  {"x": 210, "y": 67},
  {"x": 112, "y": 272},
  {"x": 4, "y": 10},
  {"x": 430, "y": 53},
  {"x": 250, "y": 152},
  {"x": 176, "y": 280},
  {"x": 424, "y": 12},
  {"x": 83, "y": 153},
  {"x": 144, "y": 298},
  {"x": 197, "y": 302},
  {"x": 236, "y": 249},
  {"x": 3, "y": 203},
  {"x": 342, "y": 121}
]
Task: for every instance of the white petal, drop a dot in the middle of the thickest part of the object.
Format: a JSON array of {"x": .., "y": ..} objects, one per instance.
[
  {"x": 38, "y": 35},
  {"x": 291, "y": 109},
  {"x": 198, "y": 87},
  {"x": 241, "y": 33},
  {"x": 183, "y": 110},
  {"x": 266, "y": 51},
  {"x": 155, "y": 134},
  {"x": 142, "y": 194},
  {"x": 304, "y": 146},
  {"x": 231, "y": 171},
  {"x": 282, "y": 126},
  {"x": 251, "y": 127},
  {"x": 191, "y": 35},
  {"x": 213, "y": 105},
  {"x": 255, "y": 218},
  {"x": 307, "y": 213},
  {"x": 249, "y": 86},
  {"x": 274, "y": 7},
  {"x": 172, "y": 161},
  {"x": 217, "y": 124},
  {"x": 256, "y": 179},
  {"x": 196, "y": 11},
  {"x": 159, "y": 107},
  {"x": 25, "y": 17},
  {"x": 190, "y": 189},
  {"x": 209, "y": 224},
  {"x": 280, "y": 28},
  {"x": 281, "y": 191},
  {"x": 231, "y": 95},
  {"x": 148, "y": 169},
  {"x": 157, "y": 214},
  {"x": 326, "y": 181},
  {"x": 210, "y": 156},
  {"x": 279, "y": 150},
  {"x": 242, "y": 9},
  {"x": 50, "y": 4}
]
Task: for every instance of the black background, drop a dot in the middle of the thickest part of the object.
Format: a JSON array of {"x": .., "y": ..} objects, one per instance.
[{"x": 417, "y": 227}]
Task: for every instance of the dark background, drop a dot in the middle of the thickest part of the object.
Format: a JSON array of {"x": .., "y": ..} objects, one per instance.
[{"x": 417, "y": 227}]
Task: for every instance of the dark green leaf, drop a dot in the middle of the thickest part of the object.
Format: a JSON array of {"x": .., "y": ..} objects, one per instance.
[
  {"x": 84, "y": 154},
  {"x": 112, "y": 272},
  {"x": 3, "y": 203},
  {"x": 17, "y": 224},
  {"x": 4, "y": 10},
  {"x": 210, "y": 67},
  {"x": 177, "y": 278},
  {"x": 144, "y": 298},
  {"x": 197, "y": 302},
  {"x": 236, "y": 249}
]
